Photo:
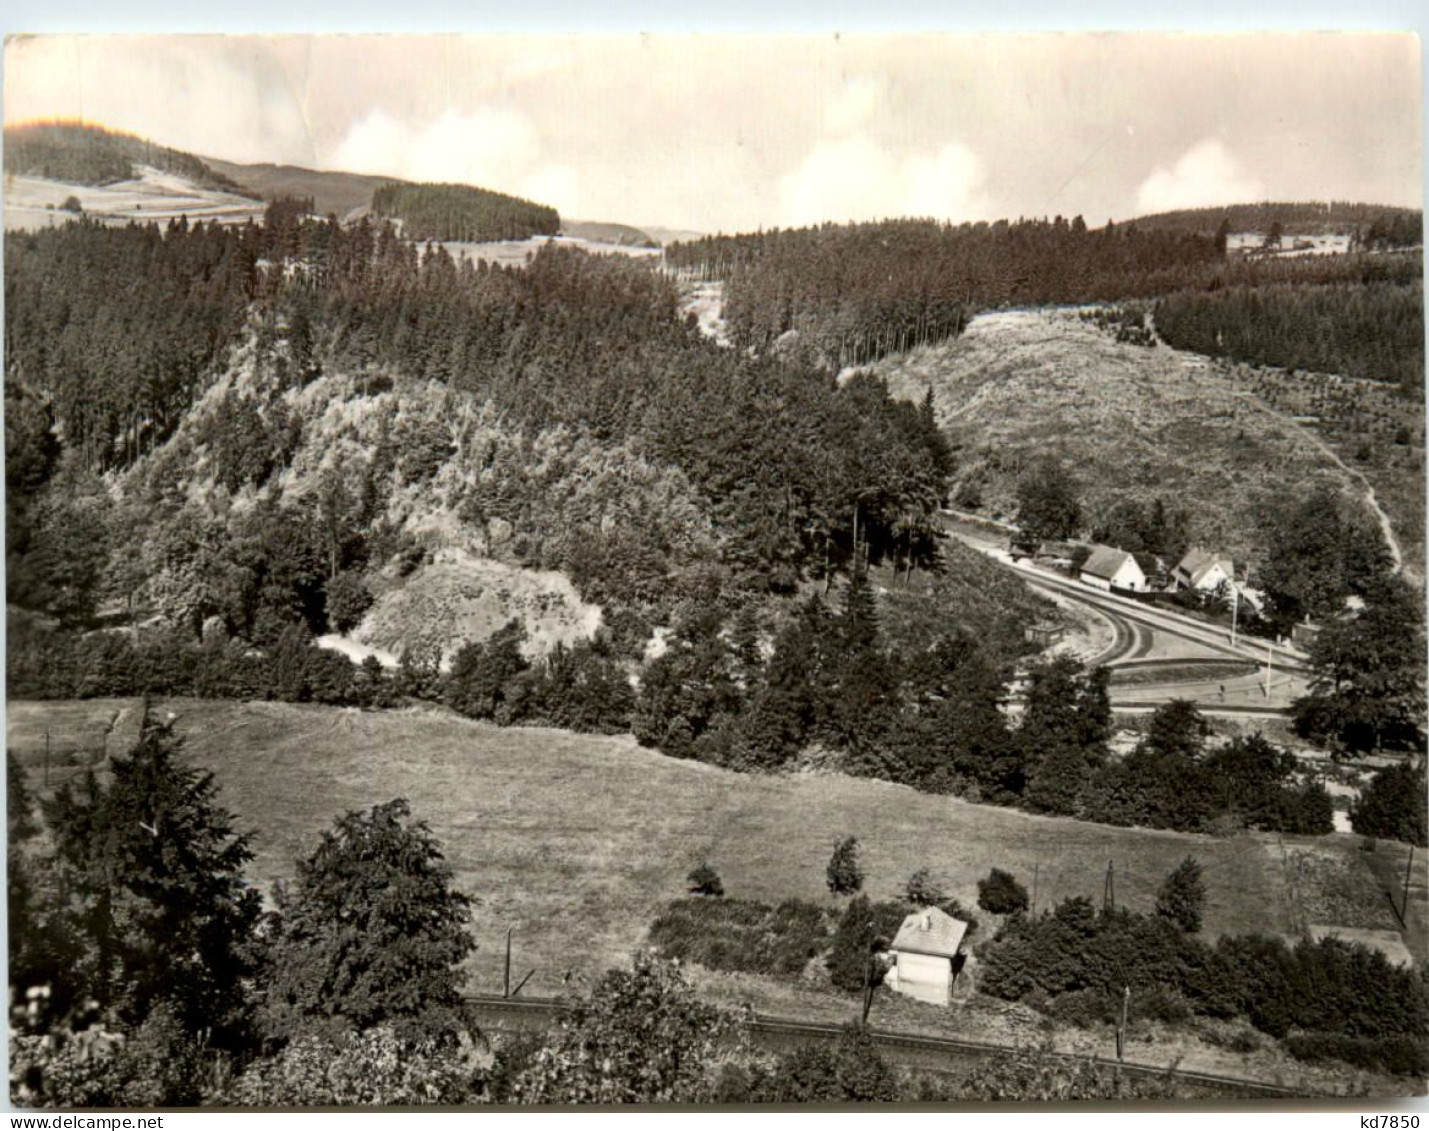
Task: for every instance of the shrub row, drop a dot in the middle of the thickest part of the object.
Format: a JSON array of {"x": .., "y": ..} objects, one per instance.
[
  {"x": 110, "y": 664},
  {"x": 1075, "y": 963},
  {"x": 741, "y": 935}
]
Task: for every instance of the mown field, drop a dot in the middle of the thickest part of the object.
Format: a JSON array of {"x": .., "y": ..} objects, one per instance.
[{"x": 577, "y": 840}]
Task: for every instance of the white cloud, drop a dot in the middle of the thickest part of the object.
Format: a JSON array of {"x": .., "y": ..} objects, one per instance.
[
  {"x": 556, "y": 185},
  {"x": 946, "y": 185},
  {"x": 853, "y": 106},
  {"x": 854, "y": 178},
  {"x": 491, "y": 147},
  {"x": 1206, "y": 174}
]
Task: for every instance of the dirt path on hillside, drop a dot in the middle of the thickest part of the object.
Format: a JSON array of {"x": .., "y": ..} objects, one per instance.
[
  {"x": 1391, "y": 539},
  {"x": 1318, "y": 442}
]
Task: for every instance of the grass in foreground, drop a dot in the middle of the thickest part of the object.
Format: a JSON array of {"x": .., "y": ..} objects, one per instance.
[{"x": 579, "y": 840}]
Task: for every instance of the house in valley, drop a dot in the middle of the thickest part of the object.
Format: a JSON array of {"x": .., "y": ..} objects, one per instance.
[
  {"x": 1204, "y": 571},
  {"x": 925, "y": 956},
  {"x": 1109, "y": 569}
]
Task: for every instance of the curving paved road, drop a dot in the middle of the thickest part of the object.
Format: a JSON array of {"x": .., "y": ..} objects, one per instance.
[{"x": 1146, "y": 639}]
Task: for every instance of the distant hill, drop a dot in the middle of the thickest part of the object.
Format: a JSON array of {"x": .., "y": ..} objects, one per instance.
[
  {"x": 622, "y": 235},
  {"x": 82, "y": 154},
  {"x": 461, "y": 212},
  {"x": 672, "y": 235},
  {"x": 1305, "y": 218},
  {"x": 332, "y": 193}
]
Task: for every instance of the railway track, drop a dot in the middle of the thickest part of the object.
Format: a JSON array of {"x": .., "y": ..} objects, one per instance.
[{"x": 910, "y": 1049}]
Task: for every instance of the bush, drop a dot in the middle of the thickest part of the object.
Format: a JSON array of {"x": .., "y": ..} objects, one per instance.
[
  {"x": 348, "y": 600},
  {"x": 1402, "y": 1056},
  {"x": 850, "y": 1071},
  {"x": 741, "y": 935},
  {"x": 844, "y": 874},
  {"x": 482, "y": 673},
  {"x": 1182, "y": 898},
  {"x": 1083, "y": 1008},
  {"x": 1160, "y": 1003},
  {"x": 922, "y": 891},
  {"x": 371, "y": 1069},
  {"x": 1040, "y": 1075},
  {"x": 1394, "y": 805},
  {"x": 865, "y": 929},
  {"x": 1001, "y": 894},
  {"x": 704, "y": 880}
]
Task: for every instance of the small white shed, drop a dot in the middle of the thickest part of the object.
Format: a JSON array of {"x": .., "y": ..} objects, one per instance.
[{"x": 924, "y": 956}]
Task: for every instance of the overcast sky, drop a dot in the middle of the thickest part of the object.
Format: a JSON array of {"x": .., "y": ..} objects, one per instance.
[{"x": 722, "y": 133}]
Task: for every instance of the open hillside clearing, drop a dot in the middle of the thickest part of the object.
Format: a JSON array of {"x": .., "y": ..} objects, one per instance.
[
  {"x": 1127, "y": 421},
  {"x": 154, "y": 196},
  {"x": 577, "y": 841}
]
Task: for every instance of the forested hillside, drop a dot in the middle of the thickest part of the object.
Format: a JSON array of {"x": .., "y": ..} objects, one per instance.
[
  {"x": 857, "y": 292},
  {"x": 91, "y": 155},
  {"x": 1371, "y": 329},
  {"x": 329, "y": 419},
  {"x": 460, "y": 212},
  {"x": 1378, "y": 224}
]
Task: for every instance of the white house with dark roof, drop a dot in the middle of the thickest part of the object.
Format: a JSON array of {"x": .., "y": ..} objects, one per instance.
[
  {"x": 1203, "y": 570},
  {"x": 1113, "y": 569},
  {"x": 925, "y": 956}
]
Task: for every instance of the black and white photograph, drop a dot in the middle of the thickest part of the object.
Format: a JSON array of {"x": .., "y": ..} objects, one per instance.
[{"x": 795, "y": 570}]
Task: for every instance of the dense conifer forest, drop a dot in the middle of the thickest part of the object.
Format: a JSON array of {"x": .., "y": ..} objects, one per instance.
[
  {"x": 460, "y": 212},
  {"x": 1358, "y": 329},
  {"x": 91, "y": 155},
  {"x": 857, "y": 292},
  {"x": 1377, "y": 225},
  {"x": 846, "y": 295}
]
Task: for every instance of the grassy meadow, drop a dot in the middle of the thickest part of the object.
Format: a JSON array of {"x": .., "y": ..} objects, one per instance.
[{"x": 577, "y": 840}]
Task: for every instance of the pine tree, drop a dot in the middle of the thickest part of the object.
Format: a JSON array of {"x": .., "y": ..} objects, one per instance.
[
  {"x": 1182, "y": 898},
  {"x": 153, "y": 871},
  {"x": 844, "y": 873}
]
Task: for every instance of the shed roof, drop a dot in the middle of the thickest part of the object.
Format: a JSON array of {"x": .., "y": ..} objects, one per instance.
[
  {"x": 1105, "y": 562},
  {"x": 930, "y": 931}
]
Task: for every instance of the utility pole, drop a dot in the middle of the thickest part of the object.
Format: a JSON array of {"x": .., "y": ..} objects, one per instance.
[
  {"x": 47, "y": 758},
  {"x": 1121, "y": 1029},
  {"x": 868, "y": 977},
  {"x": 1269, "y": 666},
  {"x": 1109, "y": 887},
  {"x": 1035, "y": 868},
  {"x": 1235, "y": 608},
  {"x": 1404, "y": 902},
  {"x": 506, "y": 984}
]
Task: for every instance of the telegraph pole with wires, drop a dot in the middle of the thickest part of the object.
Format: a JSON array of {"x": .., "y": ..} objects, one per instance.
[{"x": 1404, "y": 901}]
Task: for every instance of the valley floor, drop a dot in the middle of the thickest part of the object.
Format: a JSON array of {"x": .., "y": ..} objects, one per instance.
[{"x": 576, "y": 841}]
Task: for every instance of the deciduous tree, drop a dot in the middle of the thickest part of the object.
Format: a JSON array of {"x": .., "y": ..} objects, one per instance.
[{"x": 371, "y": 933}]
